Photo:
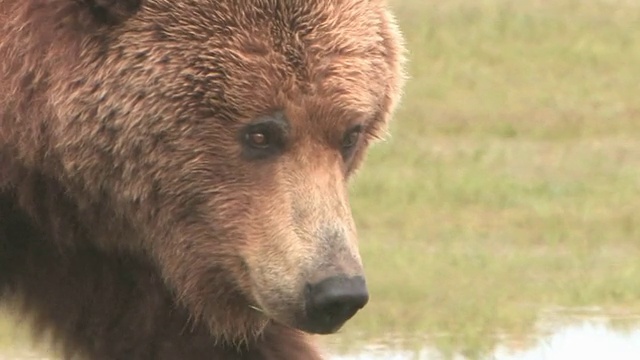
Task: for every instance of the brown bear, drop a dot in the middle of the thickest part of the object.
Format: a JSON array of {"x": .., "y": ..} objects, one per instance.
[{"x": 173, "y": 173}]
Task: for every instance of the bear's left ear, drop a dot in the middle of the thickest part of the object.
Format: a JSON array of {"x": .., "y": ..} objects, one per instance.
[{"x": 112, "y": 11}]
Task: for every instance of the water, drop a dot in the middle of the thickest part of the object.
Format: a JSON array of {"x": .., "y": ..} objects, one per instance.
[
  {"x": 561, "y": 335},
  {"x": 587, "y": 341}
]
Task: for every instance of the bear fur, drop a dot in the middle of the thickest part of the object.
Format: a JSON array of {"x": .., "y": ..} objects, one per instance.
[{"x": 141, "y": 217}]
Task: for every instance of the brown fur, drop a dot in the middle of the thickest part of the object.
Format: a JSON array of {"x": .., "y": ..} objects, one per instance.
[{"x": 131, "y": 223}]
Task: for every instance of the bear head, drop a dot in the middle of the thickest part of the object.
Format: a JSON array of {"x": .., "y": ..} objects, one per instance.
[{"x": 221, "y": 132}]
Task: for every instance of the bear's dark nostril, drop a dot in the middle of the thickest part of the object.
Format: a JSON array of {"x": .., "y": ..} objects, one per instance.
[{"x": 333, "y": 301}]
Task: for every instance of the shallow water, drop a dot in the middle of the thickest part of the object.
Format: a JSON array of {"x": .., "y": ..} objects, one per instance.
[
  {"x": 586, "y": 341},
  {"x": 561, "y": 335}
]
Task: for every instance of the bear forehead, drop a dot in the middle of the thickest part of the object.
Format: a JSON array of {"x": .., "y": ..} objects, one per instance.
[{"x": 265, "y": 51}]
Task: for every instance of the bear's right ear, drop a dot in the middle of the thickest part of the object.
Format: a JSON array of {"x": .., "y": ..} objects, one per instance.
[{"x": 112, "y": 12}]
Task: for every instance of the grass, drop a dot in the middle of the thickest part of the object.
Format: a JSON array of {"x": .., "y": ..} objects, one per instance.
[{"x": 511, "y": 183}]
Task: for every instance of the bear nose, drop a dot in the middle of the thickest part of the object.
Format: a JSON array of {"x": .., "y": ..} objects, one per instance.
[{"x": 333, "y": 301}]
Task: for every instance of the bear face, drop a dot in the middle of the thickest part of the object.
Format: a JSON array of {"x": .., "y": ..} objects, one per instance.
[{"x": 219, "y": 134}]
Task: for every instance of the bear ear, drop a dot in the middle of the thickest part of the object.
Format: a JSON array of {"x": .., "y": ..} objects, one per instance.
[{"x": 112, "y": 12}]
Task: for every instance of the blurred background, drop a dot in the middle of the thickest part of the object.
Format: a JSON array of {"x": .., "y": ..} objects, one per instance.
[{"x": 501, "y": 220}]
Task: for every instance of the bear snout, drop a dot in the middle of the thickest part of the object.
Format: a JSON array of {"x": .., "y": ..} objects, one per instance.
[{"x": 332, "y": 301}]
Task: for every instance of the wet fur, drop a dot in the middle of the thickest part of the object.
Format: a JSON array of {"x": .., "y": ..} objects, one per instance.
[{"x": 100, "y": 240}]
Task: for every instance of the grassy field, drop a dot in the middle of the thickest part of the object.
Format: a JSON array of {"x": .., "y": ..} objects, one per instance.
[
  {"x": 511, "y": 183},
  {"x": 512, "y": 180}
]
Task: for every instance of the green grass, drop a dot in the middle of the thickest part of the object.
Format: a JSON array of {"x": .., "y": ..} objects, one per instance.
[
  {"x": 511, "y": 183},
  {"x": 512, "y": 180}
]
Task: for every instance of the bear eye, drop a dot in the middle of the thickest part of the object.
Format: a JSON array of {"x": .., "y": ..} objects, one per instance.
[
  {"x": 351, "y": 138},
  {"x": 264, "y": 138},
  {"x": 257, "y": 139}
]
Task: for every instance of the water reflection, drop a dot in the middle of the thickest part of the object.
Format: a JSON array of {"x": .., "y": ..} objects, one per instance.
[{"x": 561, "y": 335}]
